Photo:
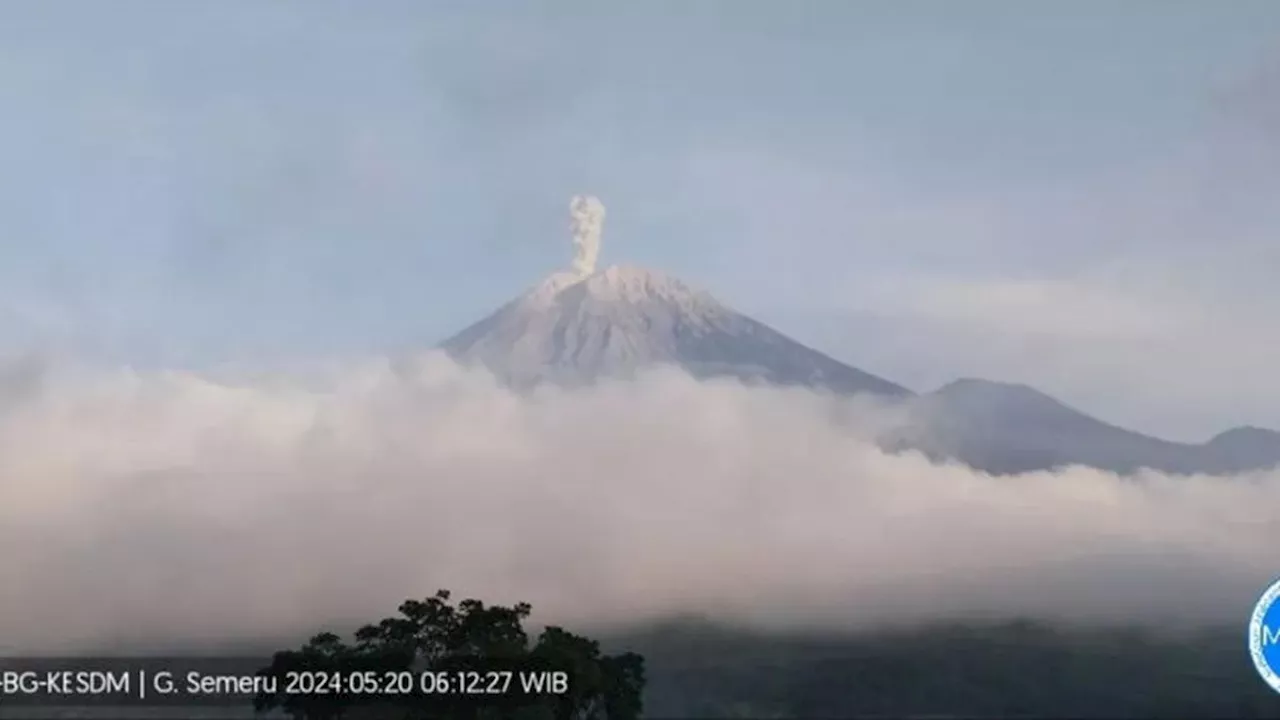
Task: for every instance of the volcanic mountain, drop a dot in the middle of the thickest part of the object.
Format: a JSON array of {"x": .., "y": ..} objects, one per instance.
[
  {"x": 1009, "y": 428},
  {"x": 575, "y": 328},
  {"x": 582, "y": 325}
]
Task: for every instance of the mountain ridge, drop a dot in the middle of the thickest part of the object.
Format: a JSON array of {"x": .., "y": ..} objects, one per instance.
[
  {"x": 1010, "y": 428},
  {"x": 582, "y": 325},
  {"x": 575, "y": 328}
]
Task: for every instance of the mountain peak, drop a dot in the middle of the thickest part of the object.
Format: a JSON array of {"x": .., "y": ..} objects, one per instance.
[
  {"x": 632, "y": 284},
  {"x": 626, "y": 284},
  {"x": 1246, "y": 434},
  {"x": 970, "y": 384},
  {"x": 583, "y": 324},
  {"x": 970, "y": 387},
  {"x": 978, "y": 397}
]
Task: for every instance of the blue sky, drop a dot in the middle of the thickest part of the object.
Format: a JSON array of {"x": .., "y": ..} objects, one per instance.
[{"x": 1074, "y": 194}]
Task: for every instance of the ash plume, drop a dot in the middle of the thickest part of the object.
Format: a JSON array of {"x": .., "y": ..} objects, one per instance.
[{"x": 586, "y": 214}]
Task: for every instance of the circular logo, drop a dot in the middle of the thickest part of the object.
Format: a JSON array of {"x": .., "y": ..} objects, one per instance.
[{"x": 1264, "y": 636}]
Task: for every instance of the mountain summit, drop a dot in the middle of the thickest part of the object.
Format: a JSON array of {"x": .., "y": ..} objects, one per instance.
[{"x": 582, "y": 325}]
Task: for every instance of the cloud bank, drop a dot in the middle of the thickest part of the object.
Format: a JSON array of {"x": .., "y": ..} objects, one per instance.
[{"x": 175, "y": 508}]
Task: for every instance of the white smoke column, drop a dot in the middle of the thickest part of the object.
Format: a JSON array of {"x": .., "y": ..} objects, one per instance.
[{"x": 586, "y": 214}]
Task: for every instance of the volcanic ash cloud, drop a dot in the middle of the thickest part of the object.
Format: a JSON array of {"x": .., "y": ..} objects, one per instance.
[{"x": 586, "y": 215}]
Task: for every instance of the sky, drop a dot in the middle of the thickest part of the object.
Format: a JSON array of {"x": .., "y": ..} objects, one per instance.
[
  {"x": 229, "y": 229},
  {"x": 1077, "y": 195}
]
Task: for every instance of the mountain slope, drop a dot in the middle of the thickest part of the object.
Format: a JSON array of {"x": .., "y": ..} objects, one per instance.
[
  {"x": 576, "y": 328},
  {"x": 1008, "y": 428}
]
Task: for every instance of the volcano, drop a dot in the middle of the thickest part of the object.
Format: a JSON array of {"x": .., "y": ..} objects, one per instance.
[
  {"x": 583, "y": 325},
  {"x": 574, "y": 329}
]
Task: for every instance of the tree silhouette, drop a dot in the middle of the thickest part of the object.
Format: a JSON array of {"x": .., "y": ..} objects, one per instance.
[{"x": 472, "y": 640}]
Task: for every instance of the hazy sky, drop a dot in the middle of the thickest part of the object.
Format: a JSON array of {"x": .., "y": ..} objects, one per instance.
[{"x": 1081, "y": 195}]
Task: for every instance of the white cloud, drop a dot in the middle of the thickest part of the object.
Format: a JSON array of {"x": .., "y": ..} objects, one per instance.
[{"x": 188, "y": 508}]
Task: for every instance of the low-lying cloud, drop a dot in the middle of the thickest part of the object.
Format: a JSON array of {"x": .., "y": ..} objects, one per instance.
[{"x": 176, "y": 508}]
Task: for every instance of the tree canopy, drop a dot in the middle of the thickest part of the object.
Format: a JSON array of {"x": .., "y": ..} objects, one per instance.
[{"x": 438, "y": 660}]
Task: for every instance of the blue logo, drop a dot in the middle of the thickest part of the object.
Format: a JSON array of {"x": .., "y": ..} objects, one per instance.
[{"x": 1264, "y": 636}]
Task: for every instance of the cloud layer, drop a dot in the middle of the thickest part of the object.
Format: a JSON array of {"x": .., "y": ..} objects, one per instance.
[{"x": 178, "y": 508}]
